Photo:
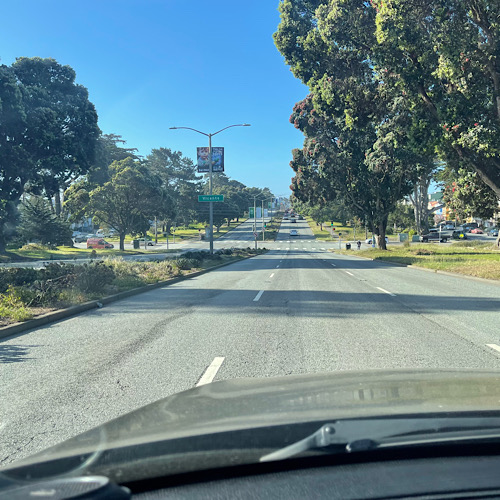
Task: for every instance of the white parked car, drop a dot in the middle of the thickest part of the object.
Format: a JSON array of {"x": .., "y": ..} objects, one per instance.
[{"x": 369, "y": 240}]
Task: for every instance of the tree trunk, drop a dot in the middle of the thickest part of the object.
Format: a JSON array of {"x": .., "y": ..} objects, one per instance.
[
  {"x": 57, "y": 203},
  {"x": 122, "y": 241},
  {"x": 380, "y": 234}
]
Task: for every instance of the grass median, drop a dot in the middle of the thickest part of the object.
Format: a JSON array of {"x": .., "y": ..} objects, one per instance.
[
  {"x": 477, "y": 259},
  {"x": 26, "y": 293},
  {"x": 345, "y": 232},
  {"x": 35, "y": 251}
]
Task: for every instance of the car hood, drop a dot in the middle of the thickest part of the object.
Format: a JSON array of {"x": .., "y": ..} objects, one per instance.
[{"x": 260, "y": 402}]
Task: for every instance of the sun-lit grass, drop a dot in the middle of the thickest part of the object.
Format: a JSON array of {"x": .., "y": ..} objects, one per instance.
[
  {"x": 42, "y": 252},
  {"x": 345, "y": 232},
  {"x": 474, "y": 259}
]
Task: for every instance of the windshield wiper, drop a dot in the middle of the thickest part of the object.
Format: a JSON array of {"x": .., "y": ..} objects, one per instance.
[{"x": 369, "y": 434}]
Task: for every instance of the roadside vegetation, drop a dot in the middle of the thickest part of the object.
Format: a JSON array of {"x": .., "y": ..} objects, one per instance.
[
  {"x": 323, "y": 231},
  {"x": 471, "y": 258},
  {"x": 26, "y": 292}
]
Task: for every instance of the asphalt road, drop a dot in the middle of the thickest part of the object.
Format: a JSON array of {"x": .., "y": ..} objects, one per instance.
[{"x": 296, "y": 309}]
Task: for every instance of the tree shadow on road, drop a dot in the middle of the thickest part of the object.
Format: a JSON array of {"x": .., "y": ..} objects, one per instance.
[{"x": 15, "y": 353}]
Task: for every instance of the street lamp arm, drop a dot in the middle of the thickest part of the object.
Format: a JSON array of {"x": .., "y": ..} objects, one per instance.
[
  {"x": 237, "y": 125},
  {"x": 189, "y": 128}
]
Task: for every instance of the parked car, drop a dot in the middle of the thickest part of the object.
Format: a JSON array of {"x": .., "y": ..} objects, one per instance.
[
  {"x": 293, "y": 221},
  {"x": 150, "y": 243},
  {"x": 80, "y": 238},
  {"x": 98, "y": 243},
  {"x": 493, "y": 232},
  {"x": 369, "y": 240},
  {"x": 434, "y": 236},
  {"x": 476, "y": 230},
  {"x": 470, "y": 225},
  {"x": 294, "y": 232}
]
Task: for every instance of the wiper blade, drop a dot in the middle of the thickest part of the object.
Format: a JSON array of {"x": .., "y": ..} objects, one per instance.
[{"x": 367, "y": 434}]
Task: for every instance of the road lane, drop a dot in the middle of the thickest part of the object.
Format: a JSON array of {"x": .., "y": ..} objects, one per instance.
[{"x": 310, "y": 316}]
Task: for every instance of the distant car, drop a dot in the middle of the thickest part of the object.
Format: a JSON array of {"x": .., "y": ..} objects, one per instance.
[
  {"x": 369, "y": 240},
  {"x": 293, "y": 221},
  {"x": 98, "y": 243},
  {"x": 151, "y": 243},
  {"x": 476, "y": 230},
  {"x": 493, "y": 232},
  {"x": 294, "y": 232},
  {"x": 434, "y": 236},
  {"x": 470, "y": 225},
  {"x": 80, "y": 238}
]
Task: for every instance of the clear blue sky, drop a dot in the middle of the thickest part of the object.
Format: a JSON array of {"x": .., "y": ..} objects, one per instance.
[{"x": 153, "y": 64}]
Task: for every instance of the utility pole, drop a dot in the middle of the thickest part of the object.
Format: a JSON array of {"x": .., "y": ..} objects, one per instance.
[{"x": 263, "y": 223}]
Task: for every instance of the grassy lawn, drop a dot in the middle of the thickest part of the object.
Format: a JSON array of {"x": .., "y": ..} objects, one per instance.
[
  {"x": 470, "y": 258},
  {"x": 325, "y": 234},
  {"x": 40, "y": 252}
]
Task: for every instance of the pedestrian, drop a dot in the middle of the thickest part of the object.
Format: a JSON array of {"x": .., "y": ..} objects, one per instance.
[{"x": 359, "y": 245}]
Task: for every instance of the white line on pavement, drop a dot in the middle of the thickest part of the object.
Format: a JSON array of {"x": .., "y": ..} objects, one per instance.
[
  {"x": 296, "y": 248},
  {"x": 494, "y": 346},
  {"x": 277, "y": 266},
  {"x": 322, "y": 248},
  {"x": 334, "y": 265},
  {"x": 385, "y": 291},
  {"x": 313, "y": 248},
  {"x": 271, "y": 275},
  {"x": 258, "y": 296},
  {"x": 211, "y": 371},
  {"x": 350, "y": 274}
]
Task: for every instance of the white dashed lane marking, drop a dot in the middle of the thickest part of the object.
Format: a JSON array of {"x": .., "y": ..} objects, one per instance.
[
  {"x": 385, "y": 291},
  {"x": 211, "y": 371}
]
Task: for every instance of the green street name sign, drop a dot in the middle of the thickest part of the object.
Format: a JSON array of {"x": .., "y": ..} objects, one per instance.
[{"x": 208, "y": 197}]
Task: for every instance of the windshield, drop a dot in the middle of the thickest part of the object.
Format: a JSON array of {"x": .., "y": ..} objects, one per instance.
[{"x": 199, "y": 192}]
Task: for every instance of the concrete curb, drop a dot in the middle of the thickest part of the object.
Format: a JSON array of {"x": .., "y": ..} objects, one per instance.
[
  {"x": 51, "y": 317},
  {"x": 435, "y": 271}
]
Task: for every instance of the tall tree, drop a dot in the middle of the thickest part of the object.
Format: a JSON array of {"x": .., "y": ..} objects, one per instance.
[
  {"x": 127, "y": 202},
  {"x": 356, "y": 148},
  {"x": 109, "y": 148},
  {"x": 178, "y": 176},
  {"x": 445, "y": 54},
  {"x": 16, "y": 166},
  {"x": 39, "y": 223},
  {"x": 61, "y": 130}
]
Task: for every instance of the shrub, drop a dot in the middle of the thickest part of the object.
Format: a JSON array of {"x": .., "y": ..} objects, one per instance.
[
  {"x": 12, "y": 307},
  {"x": 93, "y": 277},
  {"x": 185, "y": 264},
  {"x": 17, "y": 276}
]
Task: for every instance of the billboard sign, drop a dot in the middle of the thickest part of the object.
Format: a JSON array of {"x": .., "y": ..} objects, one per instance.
[{"x": 217, "y": 160}]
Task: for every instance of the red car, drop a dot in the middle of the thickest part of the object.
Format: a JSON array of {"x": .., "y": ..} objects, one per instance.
[{"x": 476, "y": 231}]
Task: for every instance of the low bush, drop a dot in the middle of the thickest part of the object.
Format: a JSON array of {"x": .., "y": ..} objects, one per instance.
[{"x": 93, "y": 277}]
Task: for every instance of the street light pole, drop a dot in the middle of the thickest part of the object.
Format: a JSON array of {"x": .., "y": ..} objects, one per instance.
[
  {"x": 263, "y": 223},
  {"x": 210, "y": 170},
  {"x": 211, "y": 219}
]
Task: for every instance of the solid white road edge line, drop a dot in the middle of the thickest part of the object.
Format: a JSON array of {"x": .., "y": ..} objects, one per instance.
[
  {"x": 385, "y": 291},
  {"x": 258, "y": 296},
  {"x": 211, "y": 371},
  {"x": 494, "y": 346}
]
